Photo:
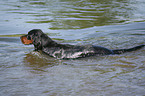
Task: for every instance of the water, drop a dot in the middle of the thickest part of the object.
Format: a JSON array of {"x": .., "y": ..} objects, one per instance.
[{"x": 110, "y": 23}]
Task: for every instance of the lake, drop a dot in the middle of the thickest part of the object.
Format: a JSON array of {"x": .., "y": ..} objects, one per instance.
[{"x": 114, "y": 24}]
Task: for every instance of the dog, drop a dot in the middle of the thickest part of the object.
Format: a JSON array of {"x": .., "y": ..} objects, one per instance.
[{"x": 65, "y": 51}]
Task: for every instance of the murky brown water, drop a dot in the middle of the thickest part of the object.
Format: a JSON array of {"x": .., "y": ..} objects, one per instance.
[{"x": 109, "y": 23}]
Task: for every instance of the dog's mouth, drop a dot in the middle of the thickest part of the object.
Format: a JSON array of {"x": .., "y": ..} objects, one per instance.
[{"x": 25, "y": 41}]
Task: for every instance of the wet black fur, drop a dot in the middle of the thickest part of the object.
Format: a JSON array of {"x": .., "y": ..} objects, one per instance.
[{"x": 64, "y": 51}]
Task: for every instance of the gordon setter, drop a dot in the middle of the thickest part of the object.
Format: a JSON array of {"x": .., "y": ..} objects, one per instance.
[{"x": 65, "y": 51}]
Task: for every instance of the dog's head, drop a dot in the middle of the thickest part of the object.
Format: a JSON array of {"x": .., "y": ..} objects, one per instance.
[
  {"x": 37, "y": 38},
  {"x": 32, "y": 36}
]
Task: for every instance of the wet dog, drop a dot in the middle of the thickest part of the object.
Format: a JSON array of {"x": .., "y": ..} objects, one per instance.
[{"x": 65, "y": 51}]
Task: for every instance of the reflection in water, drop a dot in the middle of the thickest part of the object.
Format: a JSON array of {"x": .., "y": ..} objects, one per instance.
[
  {"x": 89, "y": 13},
  {"x": 39, "y": 62},
  {"x": 73, "y": 14}
]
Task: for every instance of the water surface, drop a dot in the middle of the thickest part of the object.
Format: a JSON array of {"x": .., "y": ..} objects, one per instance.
[{"x": 110, "y": 23}]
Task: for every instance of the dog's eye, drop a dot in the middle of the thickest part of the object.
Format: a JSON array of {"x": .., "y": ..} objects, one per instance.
[{"x": 28, "y": 37}]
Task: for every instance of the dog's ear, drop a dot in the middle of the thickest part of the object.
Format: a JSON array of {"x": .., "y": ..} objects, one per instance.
[{"x": 37, "y": 41}]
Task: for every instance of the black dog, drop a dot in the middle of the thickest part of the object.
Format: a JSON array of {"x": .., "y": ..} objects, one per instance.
[{"x": 64, "y": 51}]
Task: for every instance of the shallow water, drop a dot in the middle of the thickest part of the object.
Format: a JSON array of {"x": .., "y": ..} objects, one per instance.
[{"x": 110, "y": 23}]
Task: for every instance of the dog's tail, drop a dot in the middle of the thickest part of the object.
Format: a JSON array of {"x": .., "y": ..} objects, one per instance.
[{"x": 120, "y": 51}]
